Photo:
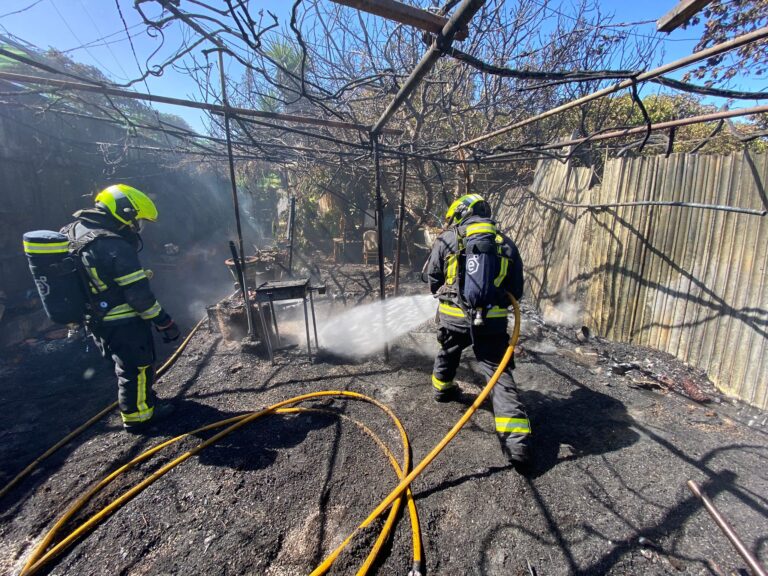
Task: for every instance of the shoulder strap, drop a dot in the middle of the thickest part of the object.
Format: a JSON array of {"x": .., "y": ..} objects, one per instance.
[
  {"x": 459, "y": 238},
  {"x": 77, "y": 245},
  {"x": 97, "y": 297}
]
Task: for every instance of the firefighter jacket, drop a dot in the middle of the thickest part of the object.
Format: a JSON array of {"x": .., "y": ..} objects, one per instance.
[
  {"x": 118, "y": 284},
  {"x": 446, "y": 264}
]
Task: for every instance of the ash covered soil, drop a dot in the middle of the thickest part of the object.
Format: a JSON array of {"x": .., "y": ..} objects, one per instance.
[{"x": 618, "y": 430}]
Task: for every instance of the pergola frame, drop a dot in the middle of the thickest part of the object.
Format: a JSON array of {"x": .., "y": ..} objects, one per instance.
[{"x": 452, "y": 28}]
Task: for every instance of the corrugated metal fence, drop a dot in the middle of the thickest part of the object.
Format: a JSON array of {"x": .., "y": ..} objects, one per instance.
[{"x": 688, "y": 281}]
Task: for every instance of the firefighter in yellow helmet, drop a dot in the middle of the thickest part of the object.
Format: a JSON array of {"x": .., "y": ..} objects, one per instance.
[
  {"x": 471, "y": 268},
  {"x": 106, "y": 238}
]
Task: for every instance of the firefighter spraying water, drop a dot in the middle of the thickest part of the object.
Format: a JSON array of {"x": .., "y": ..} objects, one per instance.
[{"x": 472, "y": 269}]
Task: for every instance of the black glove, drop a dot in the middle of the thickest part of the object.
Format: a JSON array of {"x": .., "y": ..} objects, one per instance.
[{"x": 169, "y": 331}]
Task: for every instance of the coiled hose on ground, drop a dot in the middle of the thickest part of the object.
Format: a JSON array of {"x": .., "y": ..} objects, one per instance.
[{"x": 40, "y": 557}]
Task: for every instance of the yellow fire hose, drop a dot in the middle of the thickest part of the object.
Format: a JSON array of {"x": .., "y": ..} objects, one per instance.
[
  {"x": 405, "y": 482},
  {"x": 77, "y": 431},
  {"x": 39, "y": 557}
]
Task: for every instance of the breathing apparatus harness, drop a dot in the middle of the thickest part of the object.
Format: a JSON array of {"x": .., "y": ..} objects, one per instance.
[{"x": 475, "y": 272}]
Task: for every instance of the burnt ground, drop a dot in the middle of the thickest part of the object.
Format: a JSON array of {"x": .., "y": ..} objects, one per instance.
[{"x": 617, "y": 434}]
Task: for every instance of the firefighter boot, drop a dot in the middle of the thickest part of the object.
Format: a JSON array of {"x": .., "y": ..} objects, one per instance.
[
  {"x": 447, "y": 394},
  {"x": 521, "y": 459},
  {"x": 160, "y": 412}
]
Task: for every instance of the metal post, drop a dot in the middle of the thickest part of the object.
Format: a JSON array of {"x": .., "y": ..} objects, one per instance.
[
  {"x": 379, "y": 214},
  {"x": 267, "y": 338},
  {"x": 751, "y": 561},
  {"x": 235, "y": 202},
  {"x": 274, "y": 318},
  {"x": 400, "y": 218},
  {"x": 291, "y": 221},
  {"x": 306, "y": 327},
  {"x": 380, "y": 224},
  {"x": 314, "y": 321},
  {"x": 404, "y": 14}
]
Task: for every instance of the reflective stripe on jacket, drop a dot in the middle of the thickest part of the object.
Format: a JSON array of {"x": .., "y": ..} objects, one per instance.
[
  {"x": 114, "y": 271},
  {"x": 454, "y": 311}
]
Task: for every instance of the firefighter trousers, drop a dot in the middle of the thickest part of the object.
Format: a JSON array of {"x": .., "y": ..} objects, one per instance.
[
  {"x": 132, "y": 348},
  {"x": 512, "y": 425}
]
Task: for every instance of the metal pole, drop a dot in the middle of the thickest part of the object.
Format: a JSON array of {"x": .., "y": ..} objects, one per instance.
[
  {"x": 235, "y": 202},
  {"x": 533, "y": 148},
  {"x": 306, "y": 327},
  {"x": 267, "y": 338},
  {"x": 676, "y": 17},
  {"x": 657, "y": 126},
  {"x": 291, "y": 220},
  {"x": 751, "y": 561},
  {"x": 379, "y": 214},
  {"x": 458, "y": 20},
  {"x": 274, "y": 318},
  {"x": 314, "y": 321},
  {"x": 379, "y": 227},
  {"x": 400, "y": 218}
]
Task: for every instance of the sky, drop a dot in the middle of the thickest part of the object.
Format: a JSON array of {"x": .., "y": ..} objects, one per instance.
[{"x": 76, "y": 27}]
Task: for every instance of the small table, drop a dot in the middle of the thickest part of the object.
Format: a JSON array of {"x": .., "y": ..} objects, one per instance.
[{"x": 271, "y": 292}]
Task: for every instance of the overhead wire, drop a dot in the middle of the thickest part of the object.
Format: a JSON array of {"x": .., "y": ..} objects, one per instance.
[
  {"x": 20, "y": 10},
  {"x": 100, "y": 41},
  {"x": 360, "y": 146},
  {"x": 74, "y": 34},
  {"x": 546, "y": 6},
  {"x": 108, "y": 47},
  {"x": 130, "y": 41}
]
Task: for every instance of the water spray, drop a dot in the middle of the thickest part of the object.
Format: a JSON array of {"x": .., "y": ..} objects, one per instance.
[{"x": 365, "y": 330}]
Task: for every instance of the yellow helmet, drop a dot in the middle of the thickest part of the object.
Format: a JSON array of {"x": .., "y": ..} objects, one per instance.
[
  {"x": 127, "y": 204},
  {"x": 462, "y": 208}
]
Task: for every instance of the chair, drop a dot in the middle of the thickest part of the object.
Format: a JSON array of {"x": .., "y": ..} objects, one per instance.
[
  {"x": 338, "y": 249},
  {"x": 370, "y": 247}
]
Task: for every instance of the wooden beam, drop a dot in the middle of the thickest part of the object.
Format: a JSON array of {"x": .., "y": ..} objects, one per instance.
[
  {"x": 680, "y": 14},
  {"x": 403, "y": 13}
]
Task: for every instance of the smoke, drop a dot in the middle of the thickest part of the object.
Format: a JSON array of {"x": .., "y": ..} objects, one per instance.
[
  {"x": 190, "y": 279},
  {"x": 545, "y": 347},
  {"x": 564, "y": 313},
  {"x": 364, "y": 330}
]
